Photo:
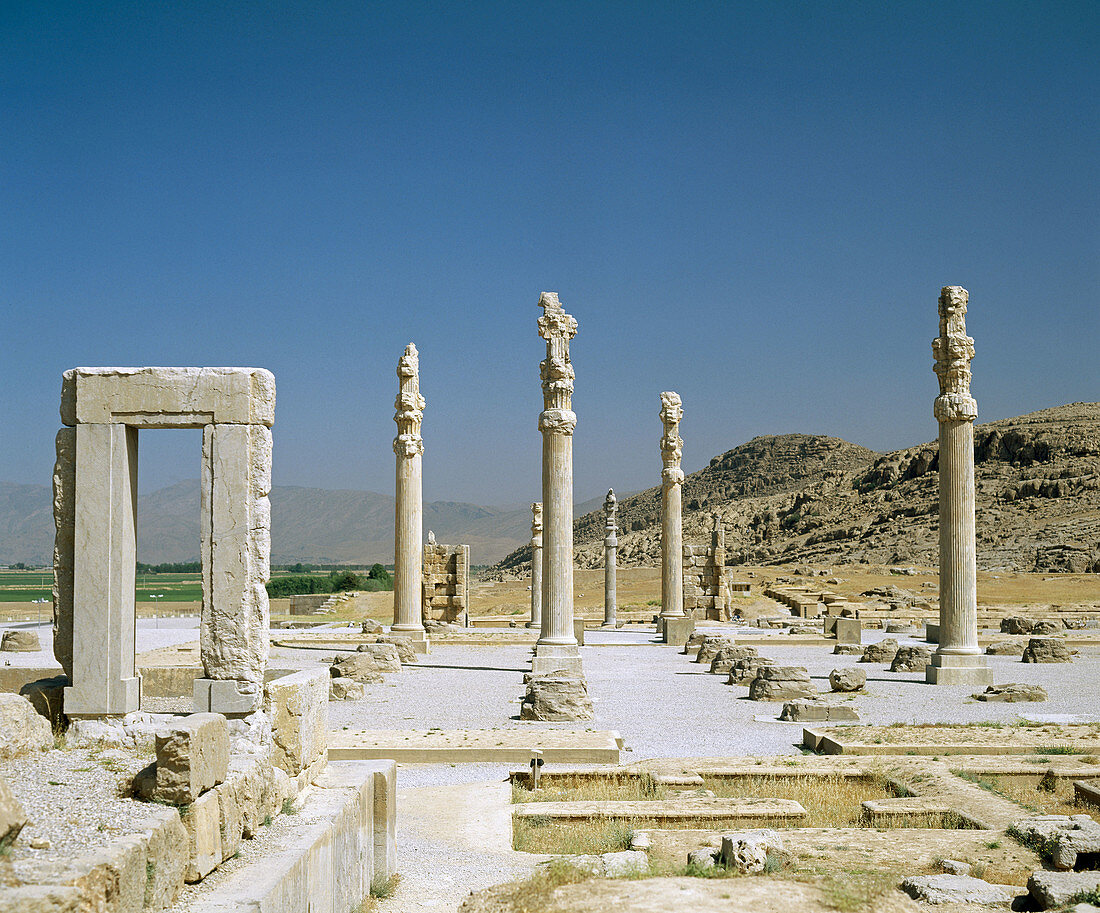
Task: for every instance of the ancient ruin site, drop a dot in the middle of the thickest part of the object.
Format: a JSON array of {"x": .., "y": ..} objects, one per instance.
[{"x": 550, "y": 458}]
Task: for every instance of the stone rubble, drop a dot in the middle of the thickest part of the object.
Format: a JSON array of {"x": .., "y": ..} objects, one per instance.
[
  {"x": 556, "y": 697},
  {"x": 1012, "y": 692},
  {"x": 846, "y": 680},
  {"x": 21, "y": 728},
  {"x": 882, "y": 652},
  {"x": 1046, "y": 650},
  {"x": 781, "y": 683}
]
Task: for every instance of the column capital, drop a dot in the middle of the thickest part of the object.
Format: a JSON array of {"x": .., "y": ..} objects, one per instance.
[
  {"x": 409, "y": 405},
  {"x": 556, "y": 371},
  {"x": 672, "y": 445},
  {"x": 954, "y": 351},
  {"x": 610, "y": 507},
  {"x": 536, "y": 524}
]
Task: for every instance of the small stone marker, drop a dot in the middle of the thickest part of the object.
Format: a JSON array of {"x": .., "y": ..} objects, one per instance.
[
  {"x": 1011, "y": 693},
  {"x": 20, "y": 642},
  {"x": 192, "y": 757}
]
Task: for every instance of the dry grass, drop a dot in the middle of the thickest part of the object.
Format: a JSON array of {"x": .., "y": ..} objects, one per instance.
[
  {"x": 590, "y": 789},
  {"x": 830, "y": 800},
  {"x": 1043, "y": 793},
  {"x": 535, "y": 835}
]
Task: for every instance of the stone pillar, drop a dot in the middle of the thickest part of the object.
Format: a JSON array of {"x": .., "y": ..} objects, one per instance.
[
  {"x": 536, "y": 566},
  {"x": 408, "y": 619},
  {"x": 672, "y": 533},
  {"x": 610, "y": 547},
  {"x": 958, "y": 660},
  {"x": 557, "y": 649}
]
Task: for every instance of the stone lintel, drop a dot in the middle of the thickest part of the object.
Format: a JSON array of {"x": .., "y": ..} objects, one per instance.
[
  {"x": 168, "y": 397},
  {"x": 225, "y": 697}
]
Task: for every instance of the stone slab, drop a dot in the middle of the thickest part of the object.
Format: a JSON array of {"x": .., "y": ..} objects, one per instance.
[
  {"x": 950, "y": 740},
  {"x": 297, "y": 706},
  {"x": 192, "y": 757},
  {"x": 511, "y": 746},
  {"x": 733, "y": 810},
  {"x": 676, "y": 631}
]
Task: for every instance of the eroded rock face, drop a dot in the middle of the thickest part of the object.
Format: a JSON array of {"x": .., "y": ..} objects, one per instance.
[
  {"x": 12, "y": 817},
  {"x": 557, "y": 697},
  {"x": 20, "y": 642},
  {"x": 362, "y": 667},
  {"x": 370, "y": 626},
  {"x": 710, "y": 647},
  {"x": 911, "y": 659},
  {"x": 1011, "y": 693},
  {"x": 21, "y": 728},
  {"x": 937, "y": 889},
  {"x": 405, "y": 651},
  {"x": 882, "y": 652},
  {"x": 1047, "y": 650},
  {"x": 781, "y": 683},
  {"x": 1006, "y": 648},
  {"x": 847, "y": 679},
  {"x": 345, "y": 689},
  {"x": 1054, "y": 890}
]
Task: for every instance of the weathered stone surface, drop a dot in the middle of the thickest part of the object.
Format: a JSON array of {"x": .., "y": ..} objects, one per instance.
[
  {"x": 848, "y": 650},
  {"x": 12, "y": 817},
  {"x": 20, "y": 642},
  {"x": 21, "y": 728},
  {"x": 1006, "y": 648},
  {"x": 937, "y": 889},
  {"x": 709, "y": 648},
  {"x": 1063, "y": 838},
  {"x": 298, "y": 708},
  {"x": 345, "y": 689},
  {"x": 556, "y": 697},
  {"x": 203, "y": 824},
  {"x": 911, "y": 658},
  {"x": 882, "y": 652},
  {"x": 1016, "y": 624},
  {"x": 404, "y": 647},
  {"x": 42, "y": 898},
  {"x": 745, "y": 671},
  {"x": 1054, "y": 890},
  {"x": 362, "y": 667},
  {"x": 725, "y": 658},
  {"x": 1047, "y": 650},
  {"x": 781, "y": 683},
  {"x": 955, "y": 867},
  {"x": 850, "y": 679},
  {"x": 703, "y": 859},
  {"x": 1011, "y": 693},
  {"x": 1046, "y": 628},
  {"x": 385, "y": 655},
  {"x": 192, "y": 757},
  {"x": 370, "y": 626},
  {"x": 748, "y": 851},
  {"x": 816, "y": 711}
]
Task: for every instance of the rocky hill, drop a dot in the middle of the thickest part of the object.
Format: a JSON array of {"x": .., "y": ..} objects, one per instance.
[{"x": 818, "y": 499}]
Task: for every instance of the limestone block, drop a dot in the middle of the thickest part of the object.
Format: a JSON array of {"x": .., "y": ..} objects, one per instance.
[
  {"x": 1006, "y": 648},
  {"x": 816, "y": 711},
  {"x": 230, "y": 820},
  {"x": 1016, "y": 624},
  {"x": 345, "y": 689},
  {"x": 44, "y": 898},
  {"x": 20, "y": 642},
  {"x": 781, "y": 683},
  {"x": 168, "y": 397},
  {"x": 255, "y": 792},
  {"x": 405, "y": 651},
  {"x": 556, "y": 698},
  {"x": 710, "y": 647},
  {"x": 202, "y": 819},
  {"x": 362, "y": 667},
  {"x": 1047, "y": 650},
  {"x": 370, "y": 626},
  {"x": 911, "y": 659},
  {"x": 21, "y": 728},
  {"x": 166, "y": 856},
  {"x": 385, "y": 818},
  {"x": 1054, "y": 890},
  {"x": 12, "y": 817},
  {"x": 1012, "y": 693},
  {"x": 298, "y": 708},
  {"x": 846, "y": 680},
  {"x": 956, "y": 889},
  {"x": 882, "y": 652},
  {"x": 385, "y": 656},
  {"x": 1047, "y": 628},
  {"x": 848, "y": 650},
  {"x": 192, "y": 757},
  {"x": 726, "y": 656}
]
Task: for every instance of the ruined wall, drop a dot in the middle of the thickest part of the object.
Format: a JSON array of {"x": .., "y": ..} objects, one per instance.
[{"x": 446, "y": 582}]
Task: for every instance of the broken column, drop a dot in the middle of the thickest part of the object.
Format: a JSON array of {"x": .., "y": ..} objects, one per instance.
[
  {"x": 557, "y": 649},
  {"x": 536, "y": 566},
  {"x": 958, "y": 659},
  {"x": 408, "y": 618},
  {"x": 672, "y": 533},
  {"x": 610, "y": 547}
]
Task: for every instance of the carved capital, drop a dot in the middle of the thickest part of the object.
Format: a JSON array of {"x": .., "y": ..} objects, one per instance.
[
  {"x": 557, "y": 421},
  {"x": 955, "y": 407},
  {"x": 536, "y": 524},
  {"x": 672, "y": 476},
  {"x": 953, "y": 349},
  {"x": 409, "y": 405},
  {"x": 408, "y": 445},
  {"x": 672, "y": 445}
]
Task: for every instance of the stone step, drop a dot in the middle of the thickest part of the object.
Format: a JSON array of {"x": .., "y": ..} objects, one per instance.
[
  {"x": 739, "y": 811},
  {"x": 508, "y": 746}
]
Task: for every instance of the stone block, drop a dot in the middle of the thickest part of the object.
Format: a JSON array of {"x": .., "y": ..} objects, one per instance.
[
  {"x": 385, "y": 818},
  {"x": 709, "y": 648},
  {"x": 1011, "y": 693},
  {"x": 64, "y": 520},
  {"x": 578, "y": 631},
  {"x": 20, "y": 642},
  {"x": 781, "y": 683},
  {"x": 166, "y": 845},
  {"x": 297, "y": 706},
  {"x": 1054, "y": 890},
  {"x": 911, "y": 658},
  {"x": 554, "y": 698},
  {"x": 228, "y": 697},
  {"x": 21, "y": 728},
  {"x": 44, "y": 898},
  {"x": 957, "y": 669},
  {"x": 12, "y": 817},
  {"x": 1047, "y": 650},
  {"x": 385, "y": 656},
  {"x": 848, "y": 650},
  {"x": 744, "y": 671},
  {"x": 1006, "y": 648},
  {"x": 202, "y": 819},
  {"x": 816, "y": 711},
  {"x": 748, "y": 851},
  {"x": 168, "y": 397},
  {"x": 848, "y": 630},
  {"x": 956, "y": 889},
  {"x": 846, "y": 680},
  {"x": 192, "y": 757},
  {"x": 676, "y": 630},
  {"x": 726, "y": 656},
  {"x": 345, "y": 689},
  {"x": 882, "y": 652}
]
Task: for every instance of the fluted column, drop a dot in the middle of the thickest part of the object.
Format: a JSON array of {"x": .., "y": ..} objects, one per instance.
[
  {"x": 672, "y": 532},
  {"x": 536, "y": 566},
  {"x": 408, "y": 584},
  {"x": 557, "y": 647},
  {"x": 610, "y": 547},
  {"x": 958, "y": 658}
]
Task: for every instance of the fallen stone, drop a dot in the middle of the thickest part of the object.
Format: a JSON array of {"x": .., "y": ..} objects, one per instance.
[
  {"x": 744, "y": 671},
  {"x": 850, "y": 679},
  {"x": 911, "y": 659},
  {"x": 1012, "y": 693},
  {"x": 556, "y": 698},
  {"x": 1060, "y": 838},
  {"x": 43, "y": 898},
  {"x": 710, "y": 647},
  {"x": 625, "y": 863},
  {"x": 748, "y": 851},
  {"x": 345, "y": 689},
  {"x": 370, "y": 626},
  {"x": 405, "y": 651},
  {"x": 1047, "y": 650},
  {"x": 12, "y": 817},
  {"x": 20, "y": 642},
  {"x": 694, "y": 641},
  {"x": 896, "y": 627},
  {"x": 882, "y": 652},
  {"x": 704, "y": 859},
  {"x": 1006, "y": 648},
  {"x": 937, "y": 889},
  {"x": 848, "y": 650},
  {"x": 955, "y": 867},
  {"x": 385, "y": 656},
  {"x": 810, "y": 711},
  {"x": 1015, "y": 624},
  {"x": 781, "y": 683},
  {"x": 1046, "y": 628},
  {"x": 21, "y": 728},
  {"x": 358, "y": 666},
  {"x": 1054, "y": 890},
  {"x": 298, "y": 707},
  {"x": 725, "y": 658},
  {"x": 192, "y": 757}
]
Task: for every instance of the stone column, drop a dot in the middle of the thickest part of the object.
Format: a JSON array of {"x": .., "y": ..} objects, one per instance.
[
  {"x": 408, "y": 584},
  {"x": 610, "y": 547},
  {"x": 536, "y": 566},
  {"x": 557, "y": 649},
  {"x": 958, "y": 660},
  {"x": 672, "y": 533}
]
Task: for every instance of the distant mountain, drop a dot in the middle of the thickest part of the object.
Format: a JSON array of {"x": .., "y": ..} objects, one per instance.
[
  {"x": 810, "y": 498},
  {"x": 308, "y": 524}
]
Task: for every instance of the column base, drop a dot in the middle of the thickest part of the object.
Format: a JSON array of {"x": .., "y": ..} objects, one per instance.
[
  {"x": 533, "y": 624},
  {"x": 227, "y": 696},
  {"x": 415, "y": 635},
  {"x": 958, "y": 669},
  {"x": 676, "y": 629},
  {"x": 124, "y": 697},
  {"x": 550, "y": 658}
]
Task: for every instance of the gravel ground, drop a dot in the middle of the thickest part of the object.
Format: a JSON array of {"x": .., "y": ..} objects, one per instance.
[{"x": 151, "y": 635}]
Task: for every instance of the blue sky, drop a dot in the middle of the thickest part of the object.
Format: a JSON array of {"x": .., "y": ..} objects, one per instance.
[{"x": 753, "y": 204}]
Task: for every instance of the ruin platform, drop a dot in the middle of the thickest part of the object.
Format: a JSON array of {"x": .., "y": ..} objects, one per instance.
[
  {"x": 509, "y": 746},
  {"x": 731, "y": 812},
  {"x": 966, "y": 740}
]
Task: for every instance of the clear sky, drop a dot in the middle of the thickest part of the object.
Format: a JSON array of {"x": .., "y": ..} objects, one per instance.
[{"x": 753, "y": 204}]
